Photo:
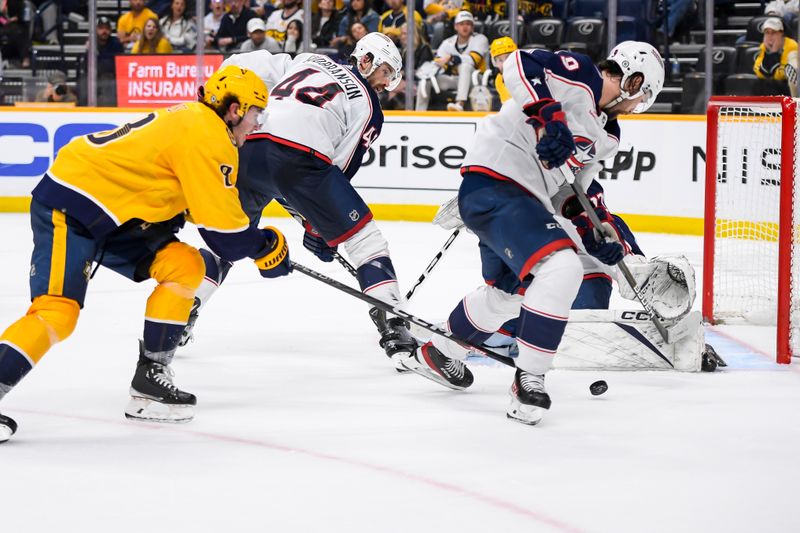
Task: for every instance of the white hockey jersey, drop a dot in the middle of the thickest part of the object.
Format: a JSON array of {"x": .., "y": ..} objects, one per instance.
[
  {"x": 474, "y": 51},
  {"x": 277, "y": 23},
  {"x": 327, "y": 109},
  {"x": 504, "y": 145}
]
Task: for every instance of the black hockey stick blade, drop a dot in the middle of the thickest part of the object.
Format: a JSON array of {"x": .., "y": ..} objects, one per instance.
[{"x": 399, "y": 312}]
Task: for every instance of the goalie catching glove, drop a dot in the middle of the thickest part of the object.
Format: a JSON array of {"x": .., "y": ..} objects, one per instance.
[
  {"x": 666, "y": 282},
  {"x": 556, "y": 144},
  {"x": 275, "y": 260},
  {"x": 315, "y": 243}
]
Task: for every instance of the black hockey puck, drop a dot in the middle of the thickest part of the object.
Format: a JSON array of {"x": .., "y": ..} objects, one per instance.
[{"x": 598, "y": 387}]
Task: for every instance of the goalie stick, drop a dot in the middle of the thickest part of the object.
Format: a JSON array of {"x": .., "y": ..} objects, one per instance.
[
  {"x": 380, "y": 304},
  {"x": 605, "y": 231}
]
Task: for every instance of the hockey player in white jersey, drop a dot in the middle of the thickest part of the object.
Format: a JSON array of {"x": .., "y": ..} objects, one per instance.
[
  {"x": 458, "y": 57},
  {"x": 323, "y": 117},
  {"x": 562, "y": 110}
]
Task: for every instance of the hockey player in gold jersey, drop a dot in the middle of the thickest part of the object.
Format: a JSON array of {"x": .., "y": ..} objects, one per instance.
[{"x": 117, "y": 198}]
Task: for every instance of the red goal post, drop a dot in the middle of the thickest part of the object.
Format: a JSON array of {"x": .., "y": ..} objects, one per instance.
[{"x": 749, "y": 271}]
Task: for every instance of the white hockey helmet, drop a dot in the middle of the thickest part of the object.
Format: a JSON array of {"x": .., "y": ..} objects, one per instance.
[
  {"x": 635, "y": 57},
  {"x": 383, "y": 50}
]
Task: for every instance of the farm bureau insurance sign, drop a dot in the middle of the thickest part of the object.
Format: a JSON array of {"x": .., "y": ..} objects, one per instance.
[{"x": 160, "y": 80}]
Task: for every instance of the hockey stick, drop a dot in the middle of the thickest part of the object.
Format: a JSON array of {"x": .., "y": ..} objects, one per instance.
[
  {"x": 301, "y": 219},
  {"x": 433, "y": 263},
  {"x": 589, "y": 210},
  {"x": 380, "y": 304}
]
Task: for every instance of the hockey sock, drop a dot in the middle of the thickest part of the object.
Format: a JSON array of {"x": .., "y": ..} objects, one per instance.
[
  {"x": 376, "y": 277},
  {"x": 476, "y": 318},
  {"x": 178, "y": 268},
  {"x": 216, "y": 271},
  {"x": 545, "y": 310}
]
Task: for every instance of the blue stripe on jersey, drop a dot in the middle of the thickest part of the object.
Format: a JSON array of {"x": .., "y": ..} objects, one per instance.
[
  {"x": 462, "y": 326},
  {"x": 13, "y": 367},
  {"x": 370, "y": 132},
  {"x": 234, "y": 246},
  {"x": 574, "y": 68},
  {"x": 540, "y": 331},
  {"x": 56, "y": 196}
]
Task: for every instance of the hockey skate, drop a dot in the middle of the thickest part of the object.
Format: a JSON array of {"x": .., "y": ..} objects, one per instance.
[
  {"x": 529, "y": 400},
  {"x": 7, "y": 428},
  {"x": 396, "y": 339},
  {"x": 430, "y": 363},
  {"x": 188, "y": 335},
  {"x": 155, "y": 398}
]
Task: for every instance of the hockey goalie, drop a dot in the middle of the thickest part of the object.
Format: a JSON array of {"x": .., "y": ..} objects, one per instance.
[{"x": 597, "y": 337}]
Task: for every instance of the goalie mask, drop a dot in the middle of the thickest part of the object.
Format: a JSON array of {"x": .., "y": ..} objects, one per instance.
[
  {"x": 638, "y": 58},
  {"x": 380, "y": 49}
]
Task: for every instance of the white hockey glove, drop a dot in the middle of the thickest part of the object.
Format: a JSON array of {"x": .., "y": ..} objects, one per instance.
[
  {"x": 666, "y": 282},
  {"x": 448, "y": 216}
]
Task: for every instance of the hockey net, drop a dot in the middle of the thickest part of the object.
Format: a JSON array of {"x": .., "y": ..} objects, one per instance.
[{"x": 750, "y": 270}]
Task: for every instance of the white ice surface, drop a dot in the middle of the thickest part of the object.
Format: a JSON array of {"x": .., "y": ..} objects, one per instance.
[{"x": 303, "y": 426}]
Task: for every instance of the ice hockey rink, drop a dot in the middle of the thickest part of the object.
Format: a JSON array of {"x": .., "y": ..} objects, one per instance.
[{"x": 302, "y": 424}]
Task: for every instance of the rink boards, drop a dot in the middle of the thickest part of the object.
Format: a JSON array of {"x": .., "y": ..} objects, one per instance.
[{"x": 655, "y": 181}]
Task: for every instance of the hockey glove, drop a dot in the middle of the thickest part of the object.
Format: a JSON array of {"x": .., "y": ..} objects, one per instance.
[
  {"x": 275, "y": 260},
  {"x": 609, "y": 252},
  {"x": 313, "y": 242},
  {"x": 556, "y": 144}
]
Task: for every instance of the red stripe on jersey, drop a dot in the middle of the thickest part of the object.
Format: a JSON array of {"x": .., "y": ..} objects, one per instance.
[
  {"x": 291, "y": 144},
  {"x": 352, "y": 231},
  {"x": 543, "y": 252}
]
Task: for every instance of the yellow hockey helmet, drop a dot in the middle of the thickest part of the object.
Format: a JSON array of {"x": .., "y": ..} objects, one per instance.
[
  {"x": 240, "y": 82},
  {"x": 502, "y": 45}
]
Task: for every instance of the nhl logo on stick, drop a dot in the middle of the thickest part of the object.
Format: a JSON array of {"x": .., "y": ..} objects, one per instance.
[{"x": 354, "y": 215}]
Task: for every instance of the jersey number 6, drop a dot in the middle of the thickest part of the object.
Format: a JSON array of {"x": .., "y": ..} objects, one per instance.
[{"x": 318, "y": 96}]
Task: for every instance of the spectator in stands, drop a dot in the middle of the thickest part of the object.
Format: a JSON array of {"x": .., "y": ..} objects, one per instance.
[
  {"x": 259, "y": 40},
  {"x": 480, "y": 9},
  {"x": 347, "y": 43},
  {"x": 179, "y": 30},
  {"x": 152, "y": 40},
  {"x": 14, "y": 32},
  {"x": 57, "y": 90},
  {"x": 294, "y": 38},
  {"x": 777, "y": 53},
  {"x": 131, "y": 24},
  {"x": 782, "y": 7},
  {"x": 263, "y": 8},
  {"x": 441, "y": 10},
  {"x": 458, "y": 56},
  {"x": 393, "y": 18},
  {"x": 108, "y": 47},
  {"x": 325, "y": 23},
  {"x": 359, "y": 11},
  {"x": 212, "y": 21},
  {"x": 233, "y": 28},
  {"x": 501, "y": 48},
  {"x": 279, "y": 20},
  {"x": 422, "y": 54}
]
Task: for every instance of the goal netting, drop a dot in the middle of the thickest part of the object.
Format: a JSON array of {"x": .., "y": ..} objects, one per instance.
[{"x": 750, "y": 273}]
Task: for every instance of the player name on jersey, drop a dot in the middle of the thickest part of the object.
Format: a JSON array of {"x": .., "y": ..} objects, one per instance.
[{"x": 343, "y": 76}]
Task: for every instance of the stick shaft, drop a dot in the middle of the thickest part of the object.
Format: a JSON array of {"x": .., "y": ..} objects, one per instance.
[
  {"x": 433, "y": 263},
  {"x": 380, "y": 304}
]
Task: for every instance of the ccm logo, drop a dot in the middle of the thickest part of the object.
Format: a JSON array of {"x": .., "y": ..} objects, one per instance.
[
  {"x": 40, "y": 136},
  {"x": 635, "y": 315}
]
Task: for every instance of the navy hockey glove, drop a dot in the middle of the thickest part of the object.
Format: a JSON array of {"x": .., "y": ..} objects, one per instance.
[
  {"x": 275, "y": 260},
  {"x": 556, "y": 144},
  {"x": 313, "y": 242},
  {"x": 606, "y": 251}
]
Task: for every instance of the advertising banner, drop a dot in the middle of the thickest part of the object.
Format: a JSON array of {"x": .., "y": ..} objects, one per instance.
[
  {"x": 160, "y": 80},
  {"x": 658, "y": 172}
]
